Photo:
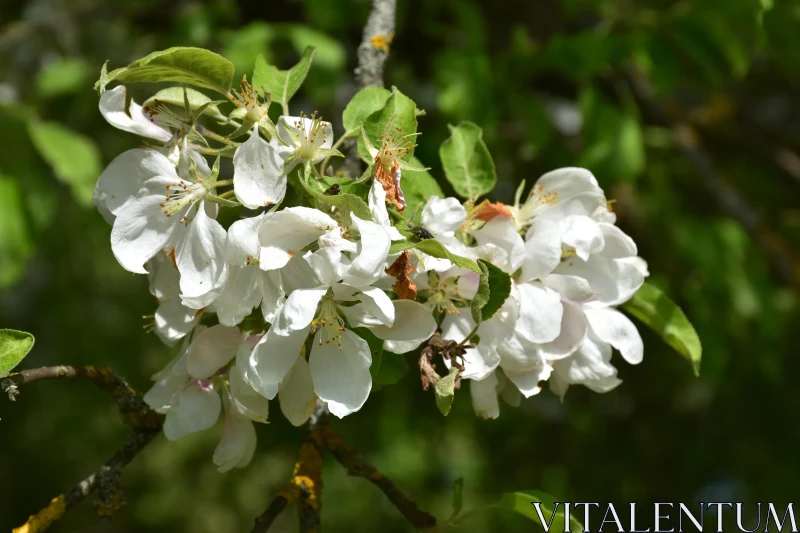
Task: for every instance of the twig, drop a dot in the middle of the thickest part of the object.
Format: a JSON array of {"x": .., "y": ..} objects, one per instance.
[
  {"x": 784, "y": 260},
  {"x": 372, "y": 54},
  {"x": 356, "y": 466},
  {"x": 133, "y": 411}
]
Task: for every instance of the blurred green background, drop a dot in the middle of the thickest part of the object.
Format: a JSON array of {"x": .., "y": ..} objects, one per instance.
[{"x": 550, "y": 82}]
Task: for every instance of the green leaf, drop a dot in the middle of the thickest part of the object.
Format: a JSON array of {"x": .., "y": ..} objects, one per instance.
[
  {"x": 75, "y": 158},
  {"x": 15, "y": 244},
  {"x": 195, "y": 66},
  {"x": 14, "y": 346},
  {"x": 62, "y": 76},
  {"x": 174, "y": 96},
  {"x": 522, "y": 503},
  {"x": 348, "y": 202},
  {"x": 387, "y": 368},
  {"x": 662, "y": 315},
  {"x": 493, "y": 289},
  {"x": 445, "y": 390},
  {"x": 437, "y": 249},
  {"x": 283, "y": 84},
  {"x": 467, "y": 163},
  {"x": 362, "y": 105},
  {"x": 418, "y": 186},
  {"x": 398, "y": 116}
]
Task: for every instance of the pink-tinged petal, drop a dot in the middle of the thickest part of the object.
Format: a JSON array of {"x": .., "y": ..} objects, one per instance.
[
  {"x": 484, "y": 397},
  {"x": 112, "y": 107},
  {"x": 258, "y": 178},
  {"x": 340, "y": 372},
  {"x": 296, "y": 394},
  {"x": 196, "y": 408},
  {"x": 616, "y": 329}
]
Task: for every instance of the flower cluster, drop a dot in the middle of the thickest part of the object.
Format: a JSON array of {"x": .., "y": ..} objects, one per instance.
[{"x": 282, "y": 283}]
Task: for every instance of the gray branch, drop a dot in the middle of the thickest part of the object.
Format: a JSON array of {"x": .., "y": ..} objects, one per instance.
[{"x": 374, "y": 48}]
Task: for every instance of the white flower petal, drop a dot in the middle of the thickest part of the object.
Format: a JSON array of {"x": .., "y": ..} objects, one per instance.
[
  {"x": 540, "y": 312},
  {"x": 258, "y": 178},
  {"x": 270, "y": 285},
  {"x": 212, "y": 349},
  {"x": 288, "y": 231},
  {"x": 618, "y": 244},
  {"x": 616, "y": 329},
  {"x": 573, "y": 331},
  {"x": 373, "y": 249},
  {"x": 528, "y": 381},
  {"x": 484, "y": 397},
  {"x": 196, "y": 408},
  {"x": 296, "y": 394},
  {"x": 326, "y": 264},
  {"x": 272, "y": 358},
  {"x": 200, "y": 255},
  {"x": 239, "y": 295},
  {"x": 174, "y": 321},
  {"x": 341, "y": 375},
  {"x": 413, "y": 325},
  {"x": 443, "y": 215},
  {"x": 112, "y": 107},
  {"x": 571, "y": 288},
  {"x": 238, "y": 442},
  {"x": 298, "y": 311},
  {"x": 126, "y": 174},
  {"x": 242, "y": 241},
  {"x": 140, "y": 231},
  {"x": 542, "y": 249},
  {"x": 613, "y": 280},
  {"x": 569, "y": 182},
  {"x": 379, "y": 305},
  {"x": 583, "y": 234},
  {"x": 502, "y": 232},
  {"x": 589, "y": 366},
  {"x": 245, "y": 399}
]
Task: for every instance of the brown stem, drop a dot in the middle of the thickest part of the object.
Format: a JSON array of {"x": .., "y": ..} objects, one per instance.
[
  {"x": 133, "y": 411},
  {"x": 356, "y": 466}
]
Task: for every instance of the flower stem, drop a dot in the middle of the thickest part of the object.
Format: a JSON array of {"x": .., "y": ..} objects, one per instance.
[
  {"x": 223, "y": 183},
  {"x": 216, "y": 136},
  {"x": 336, "y": 146},
  {"x": 227, "y": 194},
  {"x": 470, "y": 335}
]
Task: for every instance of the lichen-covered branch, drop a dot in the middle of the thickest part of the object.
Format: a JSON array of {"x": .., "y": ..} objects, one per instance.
[
  {"x": 133, "y": 411},
  {"x": 374, "y": 47},
  {"x": 356, "y": 466},
  {"x": 106, "y": 480}
]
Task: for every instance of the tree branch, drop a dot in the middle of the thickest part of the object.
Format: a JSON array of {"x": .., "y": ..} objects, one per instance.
[
  {"x": 133, "y": 411},
  {"x": 372, "y": 54},
  {"x": 356, "y": 466}
]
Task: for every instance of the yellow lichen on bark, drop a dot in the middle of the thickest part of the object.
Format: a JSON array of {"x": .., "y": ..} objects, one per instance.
[{"x": 44, "y": 518}]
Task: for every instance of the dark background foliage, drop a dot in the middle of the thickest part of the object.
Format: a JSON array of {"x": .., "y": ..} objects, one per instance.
[{"x": 552, "y": 83}]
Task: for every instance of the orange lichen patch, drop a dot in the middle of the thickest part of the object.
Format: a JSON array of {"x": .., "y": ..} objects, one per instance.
[
  {"x": 486, "y": 211},
  {"x": 404, "y": 287},
  {"x": 390, "y": 179},
  {"x": 381, "y": 41},
  {"x": 44, "y": 518}
]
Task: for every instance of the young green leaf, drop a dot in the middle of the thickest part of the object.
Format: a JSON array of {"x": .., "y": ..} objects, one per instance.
[
  {"x": 283, "y": 84},
  {"x": 662, "y": 315},
  {"x": 398, "y": 116},
  {"x": 437, "y": 249},
  {"x": 174, "y": 96},
  {"x": 493, "y": 289},
  {"x": 552, "y": 512},
  {"x": 445, "y": 390},
  {"x": 467, "y": 162},
  {"x": 362, "y": 105},
  {"x": 14, "y": 346},
  {"x": 346, "y": 201},
  {"x": 75, "y": 158},
  {"x": 194, "y": 66}
]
